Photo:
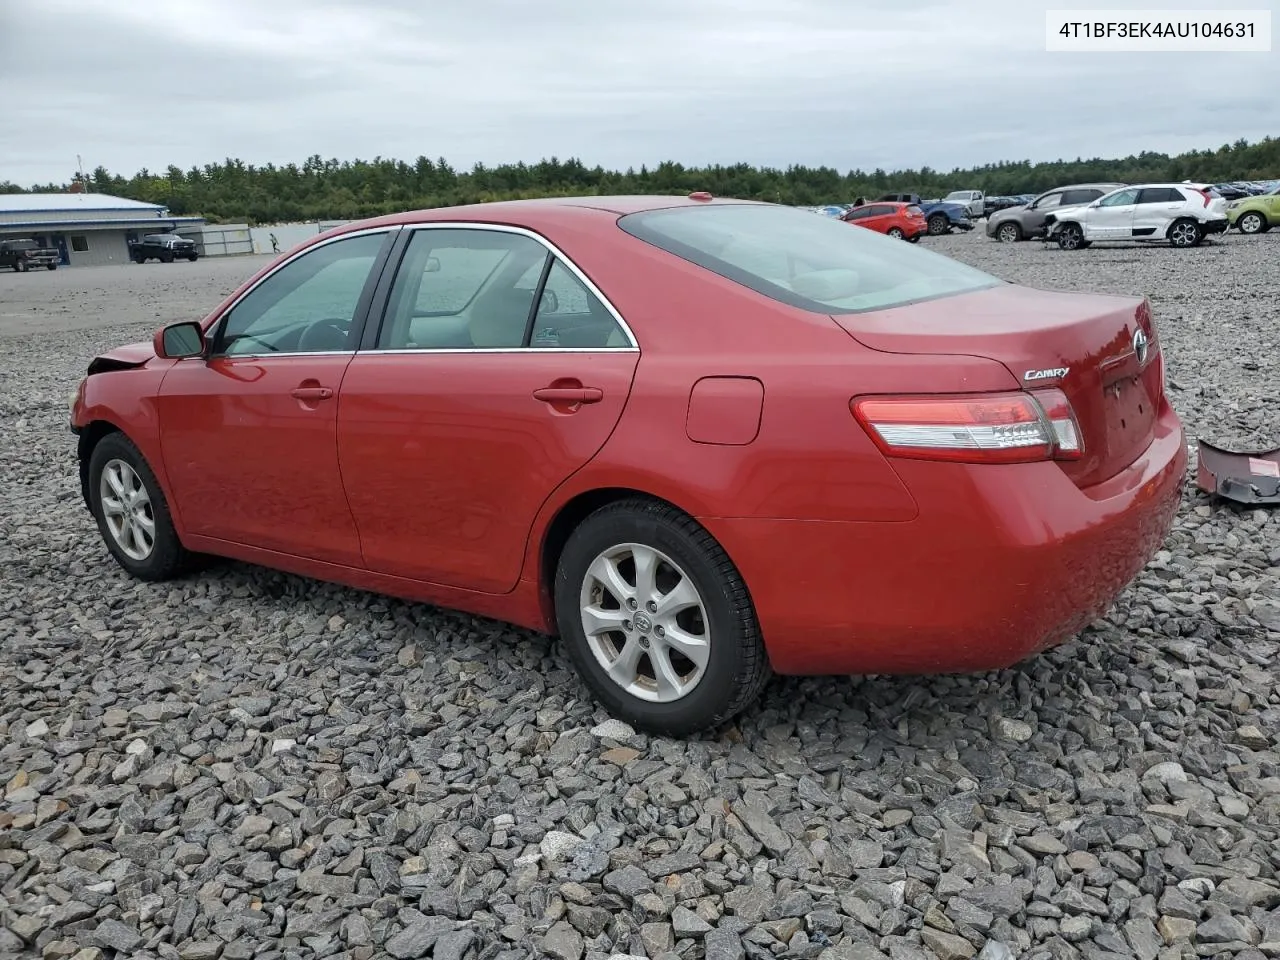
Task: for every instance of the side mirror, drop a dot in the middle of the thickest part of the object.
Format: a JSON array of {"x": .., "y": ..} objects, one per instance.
[
  {"x": 433, "y": 265},
  {"x": 179, "y": 340}
]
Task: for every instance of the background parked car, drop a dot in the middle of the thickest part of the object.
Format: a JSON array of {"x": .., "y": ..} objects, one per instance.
[
  {"x": 1255, "y": 214},
  {"x": 1182, "y": 213},
  {"x": 942, "y": 217},
  {"x": 906, "y": 221},
  {"x": 1027, "y": 222},
  {"x": 165, "y": 247},
  {"x": 23, "y": 255},
  {"x": 972, "y": 200}
]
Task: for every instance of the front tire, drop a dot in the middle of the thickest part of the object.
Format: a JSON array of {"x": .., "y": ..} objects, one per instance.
[
  {"x": 939, "y": 224},
  {"x": 51, "y": 266},
  {"x": 166, "y": 258},
  {"x": 657, "y": 619},
  {"x": 132, "y": 513},
  {"x": 1185, "y": 233},
  {"x": 1252, "y": 223},
  {"x": 1071, "y": 237},
  {"x": 1009, "y": 233}
]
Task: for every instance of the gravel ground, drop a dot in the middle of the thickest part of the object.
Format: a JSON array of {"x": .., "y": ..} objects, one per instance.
[{"x": 246, "y": 764}]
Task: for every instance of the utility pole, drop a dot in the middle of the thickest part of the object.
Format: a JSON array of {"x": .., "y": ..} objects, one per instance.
[{"x": 80, "y": 166}]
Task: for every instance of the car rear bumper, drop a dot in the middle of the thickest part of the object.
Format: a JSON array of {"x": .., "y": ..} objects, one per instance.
[
  {"x": 1217, "y": 226},
  {"x": 1001, "y": 563}
]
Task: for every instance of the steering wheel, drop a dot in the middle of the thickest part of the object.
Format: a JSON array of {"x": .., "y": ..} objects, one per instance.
[{"x": 328, "y": 334}]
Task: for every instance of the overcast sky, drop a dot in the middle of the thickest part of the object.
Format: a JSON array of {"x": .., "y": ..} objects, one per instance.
[{"x": 847, "y": 83}]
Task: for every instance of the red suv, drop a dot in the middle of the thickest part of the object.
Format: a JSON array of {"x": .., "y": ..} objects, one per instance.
[{"x": 902, "y": 220}]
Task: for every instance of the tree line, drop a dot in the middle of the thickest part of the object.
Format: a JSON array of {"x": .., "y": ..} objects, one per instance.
[{"x": 319, "y": 189}]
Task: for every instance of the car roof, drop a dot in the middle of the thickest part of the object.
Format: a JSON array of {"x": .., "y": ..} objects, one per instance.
[{"x": 545, "y": 211}]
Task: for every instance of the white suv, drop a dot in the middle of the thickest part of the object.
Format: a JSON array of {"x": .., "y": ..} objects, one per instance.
[{"x": 1182, "y": 213}]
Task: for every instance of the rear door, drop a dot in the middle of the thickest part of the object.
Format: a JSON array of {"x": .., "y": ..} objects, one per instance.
[
  {"x": 497, "y": 371},
  {"x": 1157, "y": 207},
  {"x": 1112, "y": 219}
]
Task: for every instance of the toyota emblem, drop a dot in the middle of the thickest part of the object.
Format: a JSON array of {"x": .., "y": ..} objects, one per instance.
[{"x": 1141, "y": 346}]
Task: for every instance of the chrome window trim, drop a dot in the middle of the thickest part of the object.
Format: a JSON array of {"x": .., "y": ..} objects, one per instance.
[
  {"x": 290, "y": 258},
  {"x": 633, "y": 345},
  {"x": 273, "y": 356}
]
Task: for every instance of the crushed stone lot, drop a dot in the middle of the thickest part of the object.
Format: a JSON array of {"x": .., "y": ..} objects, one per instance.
[{"x": 245, "y": 764}]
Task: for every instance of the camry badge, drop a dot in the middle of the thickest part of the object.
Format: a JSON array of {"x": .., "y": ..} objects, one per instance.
[{"x": 1048, "y": 374}]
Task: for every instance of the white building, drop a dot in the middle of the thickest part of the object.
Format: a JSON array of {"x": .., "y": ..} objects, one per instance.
[{"x": 85, "y": 228}]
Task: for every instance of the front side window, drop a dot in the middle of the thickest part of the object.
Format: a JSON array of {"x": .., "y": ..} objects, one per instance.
[
  {"x": 1071, "y": 198},
  {"x": 805, "y": 261},
  {"x": 1119, "y": 199},
  {"x": 307, "y": 306}
]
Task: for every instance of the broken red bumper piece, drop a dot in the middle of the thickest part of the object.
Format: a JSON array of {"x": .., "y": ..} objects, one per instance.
[{"x": 1252, "y": 478}]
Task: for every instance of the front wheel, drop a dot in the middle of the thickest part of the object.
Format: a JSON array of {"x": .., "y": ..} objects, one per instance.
[
  {"x": 132, "y": 514},
  {"x": 657, "y": 619},
  {"x": 938, "y": 224},
  {"x": 1185, "y": 233},
  {"x": 1252, "y": 223},
  {"x": 1071, "y": 237},
  {"x": 51, "y": 266},
  {"x": 1009, "y": 233},
  {"x": 166, "y": 258},
  {"x": 193, "y": 257}
]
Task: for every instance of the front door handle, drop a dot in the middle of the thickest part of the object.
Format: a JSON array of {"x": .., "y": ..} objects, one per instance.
[
  {"x": 569, "y": 394},
  {"x": 313, "y": 393}
]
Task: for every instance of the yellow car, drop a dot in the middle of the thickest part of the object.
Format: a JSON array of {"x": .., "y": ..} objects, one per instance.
[{"x": 1255, "y": 214}]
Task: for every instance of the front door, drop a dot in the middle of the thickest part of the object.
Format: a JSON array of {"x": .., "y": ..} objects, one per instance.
[
  {"x": 249, "y": 432},
  {"x": 1112, "y": 218},
  {"x": 472, "y": 407}
]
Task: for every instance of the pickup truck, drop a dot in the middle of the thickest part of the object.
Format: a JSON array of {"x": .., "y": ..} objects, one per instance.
[
  {"x": 972, "y": 200},
  {"x": 942, "y": 216},
  {"x": 165, "y": 247},
  {"x": 24, "y": 255}
]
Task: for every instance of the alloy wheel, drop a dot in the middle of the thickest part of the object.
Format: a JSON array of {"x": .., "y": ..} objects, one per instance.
[
  {"x": 127, "y": 508},
  {"x": 645, "y": 622},
  {"x": 1008, "y": 233},
  {"x": 1184, "y": 234},
  {"x": 1251, "y": 223}
]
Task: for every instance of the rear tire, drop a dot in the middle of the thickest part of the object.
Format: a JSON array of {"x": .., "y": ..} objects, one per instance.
[
  {"x": 896, "y": 233},
  {"x": 939, "y": 224},
  {"x": 20, "y": 266},
  {"x": 915, "y": 239},
  {"x": 1185, "y": 233},
  {"x": 133, "y": 515},
  {"x": 600, "y": 581}
]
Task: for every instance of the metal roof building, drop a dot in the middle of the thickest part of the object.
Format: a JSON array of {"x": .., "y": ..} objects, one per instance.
[{"x": 85, "y": 228}]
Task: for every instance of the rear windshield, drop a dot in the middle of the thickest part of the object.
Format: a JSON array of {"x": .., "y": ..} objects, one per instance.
[{"x": 814, "y": 263}]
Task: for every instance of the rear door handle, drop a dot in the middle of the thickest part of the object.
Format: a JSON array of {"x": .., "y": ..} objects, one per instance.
[
  {"x": 569, "y": 394},
  {"x": 313, "y": 393}
]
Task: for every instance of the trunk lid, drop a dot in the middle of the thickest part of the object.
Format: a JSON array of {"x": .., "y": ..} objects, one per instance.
[{"x": 1114, "y": 379}]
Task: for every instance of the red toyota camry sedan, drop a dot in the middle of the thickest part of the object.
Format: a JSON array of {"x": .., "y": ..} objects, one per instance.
[{"x": 699, "y": 440}]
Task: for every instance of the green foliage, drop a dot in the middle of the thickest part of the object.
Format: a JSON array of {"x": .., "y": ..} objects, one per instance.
[{"x": 319, "y": 189}]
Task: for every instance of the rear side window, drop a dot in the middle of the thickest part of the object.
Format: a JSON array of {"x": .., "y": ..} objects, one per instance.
[
  {"x": 809, "y": 262},
  {"x": 1160, "y": 195}
]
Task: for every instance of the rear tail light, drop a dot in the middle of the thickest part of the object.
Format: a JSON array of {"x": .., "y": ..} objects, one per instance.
[
  {"x": 986, "y": 428},
  {"x": 1206, "y": 195}
]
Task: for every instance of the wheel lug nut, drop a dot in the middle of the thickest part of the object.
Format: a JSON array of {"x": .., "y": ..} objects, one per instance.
[
  {"x": 631, "y": 603},
  {"x": 658, "y": 631},
  {"x": 626, "y": 624},
  {"x": 651, "y": 607}
]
